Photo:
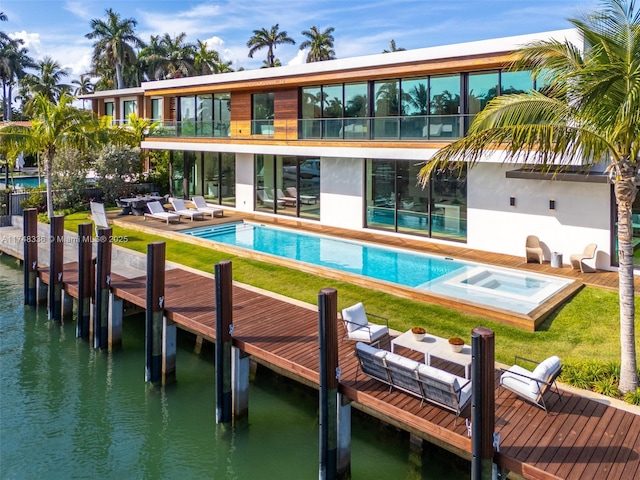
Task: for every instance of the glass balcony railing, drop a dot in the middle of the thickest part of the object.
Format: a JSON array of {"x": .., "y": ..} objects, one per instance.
[{"x": 408, "y": 128}]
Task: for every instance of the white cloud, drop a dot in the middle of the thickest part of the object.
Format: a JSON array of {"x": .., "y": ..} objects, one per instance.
[
  {"x": 31, "y": 41},
  {"x": 79, "y": 9},
  {"x": 300, "y": 58}
]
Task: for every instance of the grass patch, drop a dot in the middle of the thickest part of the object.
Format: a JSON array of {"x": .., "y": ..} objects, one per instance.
[{"x": 586, "y": 327}]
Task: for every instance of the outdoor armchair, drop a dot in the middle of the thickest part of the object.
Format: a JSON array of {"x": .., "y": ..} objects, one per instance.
[
  {"x": 532, "y": 385},
  {"x": 578, "y": 259},
  {"x": 359, "y": 328},
  {"x": 533, "y": 249}
]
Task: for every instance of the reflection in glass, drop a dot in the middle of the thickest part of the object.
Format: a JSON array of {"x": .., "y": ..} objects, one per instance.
[
  {"x": 516, "y": 82},
  {"x": 262, "y": 113},
  {"x": 415, "y": 106},
  {"x": 387, "y": 104},
  {"x": 332, "y": 107},
  {"x": 444, "y": 104}
]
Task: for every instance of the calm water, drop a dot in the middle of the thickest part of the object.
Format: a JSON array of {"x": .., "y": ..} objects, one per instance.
[
  {"x": 484, "y": 284},
  {"x": 70, "y": 412},
  {"x": 24, "y": 182}
]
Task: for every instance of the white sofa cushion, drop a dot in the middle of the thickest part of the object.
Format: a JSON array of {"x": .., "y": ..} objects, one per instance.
[
  {"x": 518, "y": 380},
  {"x": 542, "y": 372},
  {"x": 355, "y": 316},
  {"x": 369, "y": 334},
  {"x": 366, "y": 348},
  {"x": 401, "y": 361}
]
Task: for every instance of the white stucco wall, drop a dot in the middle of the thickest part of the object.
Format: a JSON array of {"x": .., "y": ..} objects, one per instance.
[
  {"x": 244, "y": 182},
  {"x": 581, "y": 216},
  {"x": 341, "y": 192}
]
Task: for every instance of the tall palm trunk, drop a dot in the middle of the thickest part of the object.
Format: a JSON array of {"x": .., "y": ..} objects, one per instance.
[
  {"x": 119, "y": 76},
  {"x": 625, "y": 189}
]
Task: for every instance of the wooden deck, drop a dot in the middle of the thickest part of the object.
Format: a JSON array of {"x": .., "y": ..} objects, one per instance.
[{"x": 580, "y": 438}]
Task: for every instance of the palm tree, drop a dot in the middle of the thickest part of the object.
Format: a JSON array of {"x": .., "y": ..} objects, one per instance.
[
  {"x": 320, "y": 45},
  {"x": 115, "y": 41},
  {"x": 178, "y": 56},
  {"x": 47, "y": 80},
  {"x": 53, "y": 127},
  {"x": 13, "y": 64},
  {"x": 83, "y": 87},
  {"x": 393, "y": 48},
  {"x": 268, "y": 39},
  {"x": 591, "y": 110}
]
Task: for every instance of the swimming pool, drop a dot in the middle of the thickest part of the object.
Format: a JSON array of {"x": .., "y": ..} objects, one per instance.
[
  {"x": 23, "y": 182},
  {"x": 496, "y": 287}
]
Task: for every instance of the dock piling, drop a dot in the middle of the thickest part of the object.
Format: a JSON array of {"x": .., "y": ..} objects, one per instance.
[
  {"x": 224, "y": 319},
  {"x": 169, "y": 345},
  {"x": 482, "y": 402},
  {"x": 56, "y": 261},
  {"x": 116, "y": 314},
  {"x": 154, "y": 312},
  {"x": 103, "y": 279},
  {"x": 84, "y": 280},
  {"x": 30, "y": 233},
  {"x": 328, "y": 344}
]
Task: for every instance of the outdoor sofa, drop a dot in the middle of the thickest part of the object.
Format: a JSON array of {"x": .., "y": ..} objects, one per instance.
[{"x": 428, "y": 383}]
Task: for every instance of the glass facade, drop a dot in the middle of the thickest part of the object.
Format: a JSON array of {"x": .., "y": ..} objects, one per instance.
[
  {"x": 129, "y": 107},
  {"x": 156, "y": 109},
  {"x": 207, "y": 115},
  {"x": 288, "y": 185},
  {"x": 109, "y": 110},
  {"x": 218, "y": 181},
  {"x": 262, "y": 113},
  {"x": 395, "y": 202}
]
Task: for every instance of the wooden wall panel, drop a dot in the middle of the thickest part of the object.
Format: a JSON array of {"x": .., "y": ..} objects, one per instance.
[{"x": 240, "y": 106}]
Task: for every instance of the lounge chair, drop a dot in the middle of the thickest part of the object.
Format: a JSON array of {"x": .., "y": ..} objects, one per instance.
[
  {"x": 182, "y": 210},
  {"x": 264, "y": 199},
  {"x": 307, "y": 199},
  {"x": 533, "y": 249},
  {"x": 202, "y": 206},
  {"x": 360, "y": 329},
  {"x": 532, "y": 385},
  {"x": 99, "y": 216},
  {"x": 156, "y": 210},
  {"x": 291, "y": 201},
  {"x": 578, "y": 259}
]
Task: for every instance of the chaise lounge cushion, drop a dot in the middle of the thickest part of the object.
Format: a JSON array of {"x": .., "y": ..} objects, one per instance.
[
  {"x": 356, "y": 317},
  {"x": 543, "y": 372}
]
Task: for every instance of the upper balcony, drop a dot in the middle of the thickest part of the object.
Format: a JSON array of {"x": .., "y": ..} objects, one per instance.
[{"x": 398, "y": 128}]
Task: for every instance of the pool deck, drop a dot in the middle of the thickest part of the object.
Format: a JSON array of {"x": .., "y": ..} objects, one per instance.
[{"x": 530, "y": 321}]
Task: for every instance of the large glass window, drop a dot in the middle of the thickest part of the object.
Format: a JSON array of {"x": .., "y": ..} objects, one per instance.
[
  {"x": 516, "y": 82},
  {"x": 204, "y": 115},
  {"x": 129, "y": 107},
  {"x": 483, "y": 87},
  {"x": 387, "y": 108},
  {"x": 332, "y": 107},
  {"x": 109, "y": 110},
  {"x": 311, "y": 107},
  {"x": 415, "y": 107},
  {"x": 395, "y": 201},
  {"x": 221, "y": 114},
  {"x": 187, "y": 110},
  {"x": 356, "y": 110},
  {"x": 444, "y": 107},
  {"x": 288, "y": 185},
  {"x": 156, "y": 109},
  {"x": 219, "y": 177},
  {"x": 263, "y": 112}
]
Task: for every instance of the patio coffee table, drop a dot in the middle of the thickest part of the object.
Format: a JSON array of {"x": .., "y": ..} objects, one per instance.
[{"x": 435, "y": 347}]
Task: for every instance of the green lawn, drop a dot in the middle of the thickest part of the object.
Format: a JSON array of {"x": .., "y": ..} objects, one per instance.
[{"x": 585, "y": 328}]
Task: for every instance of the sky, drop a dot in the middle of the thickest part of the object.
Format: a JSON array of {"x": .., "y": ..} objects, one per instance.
[{"x": 57, "y": 28}]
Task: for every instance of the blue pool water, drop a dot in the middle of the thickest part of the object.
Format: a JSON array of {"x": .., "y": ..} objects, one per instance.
[
  {"x": 492, "y": 286},
  {"x": 24, "y": 182}
]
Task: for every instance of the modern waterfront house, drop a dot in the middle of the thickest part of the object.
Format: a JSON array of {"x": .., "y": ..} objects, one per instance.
[{"x": 341, "y": 142}]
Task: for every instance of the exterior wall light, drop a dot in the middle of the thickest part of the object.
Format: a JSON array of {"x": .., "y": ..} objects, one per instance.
[
  {"x": 512, "y": 201},
  {"x": 552, "y": 204}
]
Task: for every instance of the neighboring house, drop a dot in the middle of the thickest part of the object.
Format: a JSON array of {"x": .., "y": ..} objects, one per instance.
[{"x": 349, "y": 136}]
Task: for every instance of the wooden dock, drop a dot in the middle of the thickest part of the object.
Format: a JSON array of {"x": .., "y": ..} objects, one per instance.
[{"x": 580, "y": 437}]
